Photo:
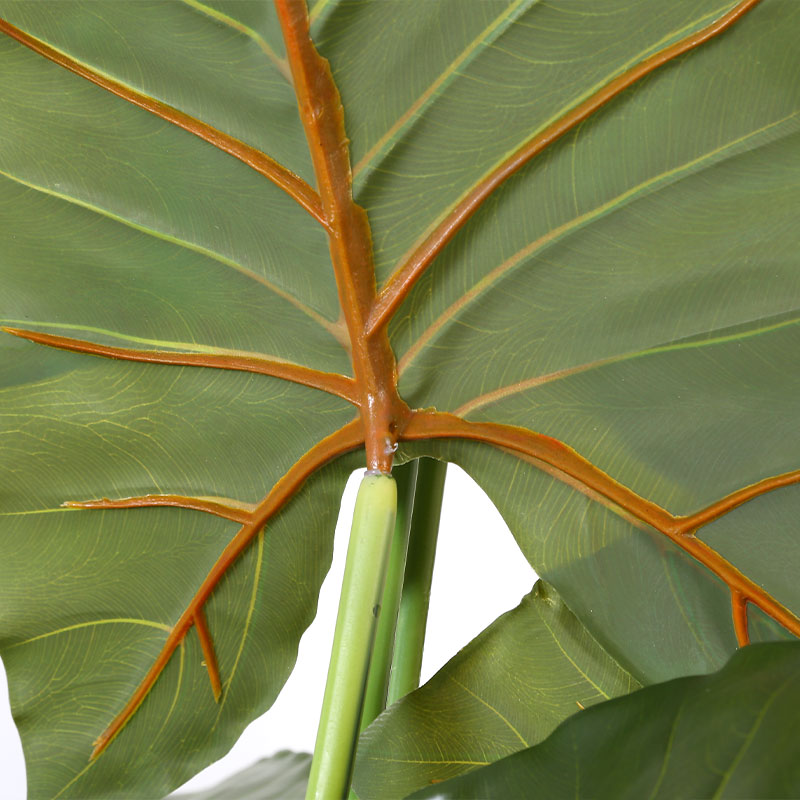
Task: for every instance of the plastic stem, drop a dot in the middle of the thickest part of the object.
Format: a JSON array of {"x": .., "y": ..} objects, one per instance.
[
  {"x": 378, "y": 683},
  {"x": 362, "y": 591},
  {"x": 412, "y": 617}
]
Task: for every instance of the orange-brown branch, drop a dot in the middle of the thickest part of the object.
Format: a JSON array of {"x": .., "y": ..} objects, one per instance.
[
  {"x": 228, "y": 509},
  {"x": 692, "y": 522},
  {"x": 737, "y": 581},
  {"x": 419, "y": 258},
  {"x": 346, "y": 438},
  {"x": 330, "y": 382},
  {"x": 566, "y": 464},
  {"x": 292, "y": 184},
  {"x": 565, "y": 460},
  {"x": 350, "y": 240},
  {"x": 210, "y": 657},
  {"x": 739, "y": 610},
  {"x": 436, "y": 424}
]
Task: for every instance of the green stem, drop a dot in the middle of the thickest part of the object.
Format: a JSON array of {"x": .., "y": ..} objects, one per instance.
[
  {"x": 362, "y": 590},
  {"x": 412, "y": 617},
  {"x": 378, "y": 683}
]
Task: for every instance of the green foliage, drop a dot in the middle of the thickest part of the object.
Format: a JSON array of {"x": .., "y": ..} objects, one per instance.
[
  {"x": 729, "y": 734},
  {"x": 532, "y": 668},
  {"x": 632, "y": 291},
  {"x": 281, "y": 777}
]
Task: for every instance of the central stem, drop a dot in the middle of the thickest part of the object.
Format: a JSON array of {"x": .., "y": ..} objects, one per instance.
[
  {"x": 382, "y": 654},
  {"x": 353, "y": 639}
]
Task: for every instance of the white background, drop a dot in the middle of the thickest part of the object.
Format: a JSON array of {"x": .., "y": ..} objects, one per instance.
[{"x": 479, "y": 574}]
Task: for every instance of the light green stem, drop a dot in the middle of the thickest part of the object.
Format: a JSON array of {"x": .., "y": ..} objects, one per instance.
[
  {"x": 378, "y": 683},
  {"x": 359, "y": 605},
  {"x": 412, "y": 617}
]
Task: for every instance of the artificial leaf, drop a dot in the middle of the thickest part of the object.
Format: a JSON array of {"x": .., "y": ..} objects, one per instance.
[
  {"x": 610, "y": 295},
  {"x": 89, "y": 598},
  {"x": 280, "y": 777},
  {"x": 573, "y": 270},
  {"x": 506, "y": 690},
  {"x": 730, "y": 734}
]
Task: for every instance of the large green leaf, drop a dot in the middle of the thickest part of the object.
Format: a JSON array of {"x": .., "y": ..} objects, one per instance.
[
  {"x": 631, "y": 291},
  {"x": 730, "y": 734},
  {"x": 505, "y": 691}
]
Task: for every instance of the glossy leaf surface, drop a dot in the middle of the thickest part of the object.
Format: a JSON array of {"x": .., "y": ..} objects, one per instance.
[
  {"x": 609, "y": 341},
  {"x": 729, "y": 734},
  {"x": 503, "y": 692}
]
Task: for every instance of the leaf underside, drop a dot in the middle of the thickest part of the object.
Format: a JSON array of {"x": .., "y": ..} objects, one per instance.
[{"x": 608, "y": 344}]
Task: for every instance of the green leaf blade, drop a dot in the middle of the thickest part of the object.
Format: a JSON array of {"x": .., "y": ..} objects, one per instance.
[
  {"x": 626, "y": 234},
  {"x": 122, "y": 162},
  {"x": 209, "y": 60},
  {"x": 450, "y": 141},
  {"x": 510, "y": 687},
  {"x": 632, "y": 292},
  {"x": 89, "y": 596},
  {"x": 651, "y": 325},
  {"x": 731, "y": 734}
]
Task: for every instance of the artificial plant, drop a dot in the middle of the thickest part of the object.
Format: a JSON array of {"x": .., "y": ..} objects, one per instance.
[{"x": 248, "y": 248}]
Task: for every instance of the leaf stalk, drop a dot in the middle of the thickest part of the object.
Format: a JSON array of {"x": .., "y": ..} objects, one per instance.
[
  {"x": 405, "y": 476},
  {"x": 412, "y": 618},
  {"x": 356, "y": 625}
]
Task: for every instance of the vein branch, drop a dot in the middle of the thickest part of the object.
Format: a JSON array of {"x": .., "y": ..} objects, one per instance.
[
  {"x": 330, "y": 382},
  {"x": 739, "y": 611},
  {"x": 687, "y": 525},
  {"x": 419, "y": 258},
  {"x": 346, "y": 438},
  {"x": 570, "y": 467},
  {"x": 220, "y": 507},
  {"x": 254, "y": 158},
  {"x": 542, "y": 448},
  {"x": 210, "y": 656}
]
